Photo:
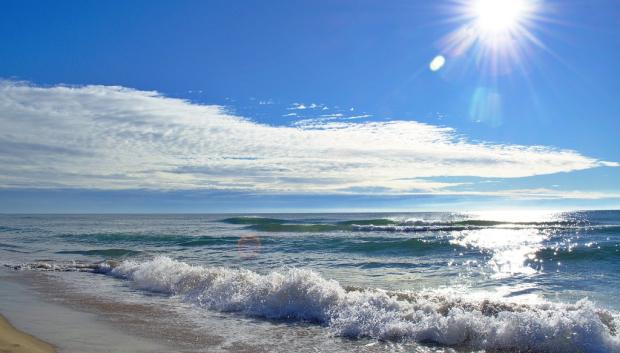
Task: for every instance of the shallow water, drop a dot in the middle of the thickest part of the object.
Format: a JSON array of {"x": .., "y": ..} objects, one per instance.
[
  {"x": 538, "y": 281},
  {"x": 70, "y": 331}
]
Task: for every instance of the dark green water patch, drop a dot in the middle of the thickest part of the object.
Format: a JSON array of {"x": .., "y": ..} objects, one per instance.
[
  {"x": 253, "y": 220},
  {"x": 374, "y": 222},
  {"x": 4, "y": 245},
  {"x": 108, "y": 238},
  {"x": 298, "y": 228},
  {"x": 408, "y": 246},
  {"x": 206, "y": 241},
  {"x": 581, "y": 253},
  {"x": 114, "y": 253}
]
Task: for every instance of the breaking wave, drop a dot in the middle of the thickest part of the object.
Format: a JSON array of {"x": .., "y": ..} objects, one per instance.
[{"x": 303, "y": 295}]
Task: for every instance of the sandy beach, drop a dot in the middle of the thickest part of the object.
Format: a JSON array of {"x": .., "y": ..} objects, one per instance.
[{"x": 15, "y": 341}]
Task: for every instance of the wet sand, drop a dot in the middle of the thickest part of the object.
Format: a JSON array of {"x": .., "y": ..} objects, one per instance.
[
  {"x": 67, "y": 329},
  {"x": 15, "y": 341}
]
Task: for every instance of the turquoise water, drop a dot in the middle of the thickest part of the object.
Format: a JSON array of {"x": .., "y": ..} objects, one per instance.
[{"x": 327, "y": 269}]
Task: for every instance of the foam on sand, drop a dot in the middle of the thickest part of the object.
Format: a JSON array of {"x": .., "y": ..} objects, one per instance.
[{"x": 300, "y": 294}]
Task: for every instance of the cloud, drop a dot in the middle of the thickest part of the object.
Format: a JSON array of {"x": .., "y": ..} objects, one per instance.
[
  {"x": 301, "y": 106},
  {"x": 110, "y": 137},
  {"x": 535, "y": 194},
  {"x": 544, "y": 193},
  {"x": 314, "y": 123},
  {"x": 298, "y": 106},
  {"x": 610, "y": 164}
]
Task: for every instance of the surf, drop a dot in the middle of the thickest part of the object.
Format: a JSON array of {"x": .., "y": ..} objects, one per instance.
[{"x": 303, "y": 295}]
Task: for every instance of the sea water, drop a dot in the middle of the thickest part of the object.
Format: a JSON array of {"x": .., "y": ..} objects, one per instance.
[{"x": 489, "y": 281}]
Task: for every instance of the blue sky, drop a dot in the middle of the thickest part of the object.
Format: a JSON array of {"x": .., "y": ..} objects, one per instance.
[{"x": 220, "y": 106}]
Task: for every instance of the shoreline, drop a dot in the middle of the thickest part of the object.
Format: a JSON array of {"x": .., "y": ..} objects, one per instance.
[
  {"x": 87, "y": 322},
  {"x": 164, "y": 320},
  {"x": 13, "y": 340},
  {"x": 69, "y": 324}
]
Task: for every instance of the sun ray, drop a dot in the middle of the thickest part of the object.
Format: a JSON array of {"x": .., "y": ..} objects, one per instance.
[{"x": 498, "y": 33}]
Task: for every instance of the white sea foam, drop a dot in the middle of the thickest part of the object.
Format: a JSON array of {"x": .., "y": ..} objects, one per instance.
[{"x": 299, "y": 294}]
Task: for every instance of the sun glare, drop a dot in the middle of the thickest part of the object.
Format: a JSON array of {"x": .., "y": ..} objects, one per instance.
[
  {"x": 498, "y": 34},
  {"x": 494, "y": 16}
]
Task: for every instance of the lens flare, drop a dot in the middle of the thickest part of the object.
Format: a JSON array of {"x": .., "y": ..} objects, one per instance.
[{"x": 437, "y": 63}]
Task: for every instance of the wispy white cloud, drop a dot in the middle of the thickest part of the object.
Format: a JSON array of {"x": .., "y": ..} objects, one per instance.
[
  {"x": 301, "y": 106},
  {"x": 319, "y": 122},
  {"x": 362, "y": 116},
  {"x": 297, "y": 106},
  {"x": 551, "y": 194},
  {"x": 534, "y": 194},
  {"x": 610, "y": 164},
  {"x": 107, "y": 137}
]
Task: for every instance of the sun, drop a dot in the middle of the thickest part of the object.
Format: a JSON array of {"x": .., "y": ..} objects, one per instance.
[
  {"x": 499, "y": 17},
  {"x": 499, "y": 35}
]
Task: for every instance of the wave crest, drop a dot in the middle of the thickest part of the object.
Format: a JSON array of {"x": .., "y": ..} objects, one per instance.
[
  {"x": 301, "y": 294},
  {"x": 408, "y": 225}
]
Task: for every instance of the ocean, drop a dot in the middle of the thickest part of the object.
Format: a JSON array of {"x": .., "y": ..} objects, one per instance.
[{"x": 508, "y": 281}]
